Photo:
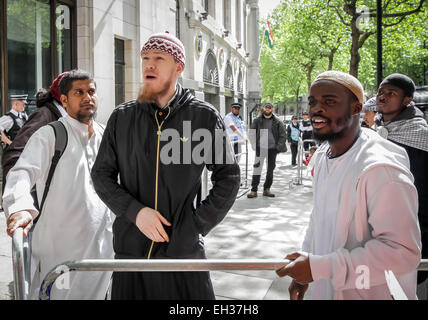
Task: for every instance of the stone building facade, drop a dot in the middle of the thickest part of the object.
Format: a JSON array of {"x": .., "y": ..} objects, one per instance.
[{"x": 221, "y": 38}]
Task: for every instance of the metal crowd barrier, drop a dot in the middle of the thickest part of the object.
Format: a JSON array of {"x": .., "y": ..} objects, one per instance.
[
  {"x": 244, "y": 173},
  {"x": 21, "y": 264},
  {"x": 20, "y": 257},
  {"x": 154, "y": 265},
  {"x": 300, "y": 154}
]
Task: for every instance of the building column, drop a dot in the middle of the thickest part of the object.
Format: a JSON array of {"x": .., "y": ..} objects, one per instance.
[
  {"x": 222, "y": 105},
  {"x": 254, "y": 82},
  {"x": 85, "y": 29}
]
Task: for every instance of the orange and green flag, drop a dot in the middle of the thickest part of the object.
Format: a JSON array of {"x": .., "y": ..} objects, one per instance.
[{"x": 269, "y": 34}]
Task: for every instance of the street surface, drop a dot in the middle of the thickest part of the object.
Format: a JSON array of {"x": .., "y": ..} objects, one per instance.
[{"x": 261, "y": 228}]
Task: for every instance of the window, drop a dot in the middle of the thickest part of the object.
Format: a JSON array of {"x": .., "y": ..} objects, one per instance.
[
  {"x": 119, "y": 70},
  {"x": 238, "y": 19},
  {"x": 37, "y": 45},
  {"x": 28, "y": 46},
  {"x": 226, "y": 15},
  {"x": 177, "y": 19},
  {"x": 64, "y": 38},
  {"x": 209, "y": 6}
]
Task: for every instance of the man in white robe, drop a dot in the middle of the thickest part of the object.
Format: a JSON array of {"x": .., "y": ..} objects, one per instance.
[
  {"x": 364, "y": 220},
  {"x": 74, "y": 224}
]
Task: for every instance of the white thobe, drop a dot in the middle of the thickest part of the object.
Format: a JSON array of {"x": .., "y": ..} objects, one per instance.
[
  {"x": 364, "y": 222},
  {"x": 75, "y": 224}
]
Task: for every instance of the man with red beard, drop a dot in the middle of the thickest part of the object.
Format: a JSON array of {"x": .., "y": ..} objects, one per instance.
[
  {"x": 364, "y": 219},
  {"x": 158, "y": 215}
]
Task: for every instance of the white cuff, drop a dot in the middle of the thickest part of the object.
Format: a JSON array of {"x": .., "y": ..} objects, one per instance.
[{"x": 320, "y": 267}]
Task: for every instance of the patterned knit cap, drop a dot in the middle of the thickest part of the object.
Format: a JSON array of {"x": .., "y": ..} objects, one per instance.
[
  {"x": 168, "y": 43},
  {"x": 370, "y": 105},
  {"x": 345, "y": 80}
]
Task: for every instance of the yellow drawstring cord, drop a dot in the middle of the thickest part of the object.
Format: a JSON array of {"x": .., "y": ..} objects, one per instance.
[{"x": 159, "y": 133}]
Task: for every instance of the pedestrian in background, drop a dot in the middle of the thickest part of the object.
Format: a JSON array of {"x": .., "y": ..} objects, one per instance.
[
  {"x": 402, "y": 123},
  {"x": 155, "y": 201},
  {"x": 364, "y": 219},
  {"x": 293, "y": 136},
  {"x": 370, "y": 111},
  {"x": 268, "y": 138},
  {"x": 74, "y": 223},
  {"x": 12, "y": 122},
  {"x": 49, "y": 109},
  {"x": 235, "y": 129},
  {"x": 306, "y": 131}
]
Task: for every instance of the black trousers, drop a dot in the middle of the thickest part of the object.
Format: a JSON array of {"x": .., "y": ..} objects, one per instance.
[
  {"x": 162, "y": 286},
  {"x": 294, "y": 150},
  {"x": 258, "y": 166}
]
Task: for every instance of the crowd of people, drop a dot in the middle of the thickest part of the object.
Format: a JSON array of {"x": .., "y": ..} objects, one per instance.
[{"x": 125, "y": 201}]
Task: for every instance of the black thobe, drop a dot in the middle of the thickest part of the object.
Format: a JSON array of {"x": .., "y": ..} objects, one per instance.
[{"x": 129, "y": 151}]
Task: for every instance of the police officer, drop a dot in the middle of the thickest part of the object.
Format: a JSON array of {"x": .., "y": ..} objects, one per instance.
[{"x": 13, "y": 121}]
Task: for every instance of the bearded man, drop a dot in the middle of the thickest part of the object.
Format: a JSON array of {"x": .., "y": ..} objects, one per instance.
[
  {"x": 155, "y": 201},
  {"x": 268, "y": 137},
  {"x": 365, "y": 216},
  {"x": 73, "y": 223}
]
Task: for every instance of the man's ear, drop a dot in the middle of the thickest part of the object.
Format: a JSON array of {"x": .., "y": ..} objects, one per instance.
[
  {"x": 356, "y": 108},
  {"x": 64, "y": 101},
  {"x": 180, "y": 68},
  {"x": 407, "y": 100}
]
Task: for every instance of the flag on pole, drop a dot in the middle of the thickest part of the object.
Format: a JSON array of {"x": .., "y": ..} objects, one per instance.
[{"x": 269, "y": 34}]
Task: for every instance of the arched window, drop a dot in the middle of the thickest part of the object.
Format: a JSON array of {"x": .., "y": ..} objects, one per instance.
[
  {"x": 211, "y": 69},
  {"x": 228, "y": 77},
  {"x": 240, "y": 82}
]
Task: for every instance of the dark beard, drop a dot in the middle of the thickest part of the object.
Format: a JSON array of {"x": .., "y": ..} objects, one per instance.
[
  {"x": 83, "y": 118},
  {"x": 330, "y": 137},
  {"x": 147, "y": 95}
]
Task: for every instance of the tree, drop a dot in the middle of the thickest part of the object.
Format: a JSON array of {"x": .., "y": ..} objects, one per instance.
[{"x": 349, "y": 13}]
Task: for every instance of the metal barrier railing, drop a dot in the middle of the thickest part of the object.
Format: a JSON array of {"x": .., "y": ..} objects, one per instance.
[
  {"x": 300, "y": 154},
  {"x": 244, "y": 173},
  {"x": 21, "y": 265},
  {"x": 244, "y": 176},
  {"x": 154, "y": 265},
  {"x": 22, "y": 280}
]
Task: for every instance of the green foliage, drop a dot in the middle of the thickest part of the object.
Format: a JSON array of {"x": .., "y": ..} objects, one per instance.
[{"x": 312, "y": 36}]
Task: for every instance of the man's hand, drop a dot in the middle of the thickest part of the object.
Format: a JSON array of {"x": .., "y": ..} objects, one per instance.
[
  {"x": 299, "y": 269},
  {"x": 297, "y": 291},
  {"x": 21, "y": 219},
  {"x": 5, "y": 139},
  {"x": 150, "y": 223}
]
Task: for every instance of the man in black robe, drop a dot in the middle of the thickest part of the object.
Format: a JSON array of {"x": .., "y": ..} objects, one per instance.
[{"x": 148, "y": 171}]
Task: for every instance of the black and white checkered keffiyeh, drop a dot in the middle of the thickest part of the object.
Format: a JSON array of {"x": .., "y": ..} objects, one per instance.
[{"x": 408, "y": 129}]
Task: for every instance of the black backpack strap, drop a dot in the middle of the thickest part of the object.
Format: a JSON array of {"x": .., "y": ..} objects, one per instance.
[{"x": 61, "y": 141}]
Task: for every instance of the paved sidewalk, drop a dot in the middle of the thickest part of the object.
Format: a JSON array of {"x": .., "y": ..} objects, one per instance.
[
  {"x": 261, "y": 228},
  {"x": 6, "y": 272}
]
